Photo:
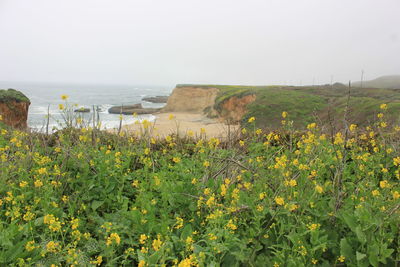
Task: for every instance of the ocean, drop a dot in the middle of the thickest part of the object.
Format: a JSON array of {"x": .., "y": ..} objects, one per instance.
[{"x": 46, "y": 95}]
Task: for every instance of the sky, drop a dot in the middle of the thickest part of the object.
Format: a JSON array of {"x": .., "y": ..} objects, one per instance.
[{"x": 166, "y": 42}]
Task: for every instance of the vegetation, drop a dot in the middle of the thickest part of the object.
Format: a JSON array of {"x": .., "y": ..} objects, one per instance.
[
  {"x": 391, "y": 81},
  {"x": 12, "y": 95},
  {"x": 84, "y": 197},
  {"x": 324, "y": 103}
]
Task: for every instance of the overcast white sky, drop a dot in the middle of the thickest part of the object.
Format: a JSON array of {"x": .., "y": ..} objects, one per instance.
[{"x": 164, "y": 42}]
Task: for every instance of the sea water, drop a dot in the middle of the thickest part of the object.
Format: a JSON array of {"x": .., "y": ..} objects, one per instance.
[{"x": 45, "y": 99}]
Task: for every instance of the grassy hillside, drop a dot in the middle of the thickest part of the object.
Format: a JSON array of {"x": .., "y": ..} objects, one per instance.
[
  {"x": 390, "y": 82},
  {"x": 313, "y": 103},
  {"x": 84, "y": 197}
]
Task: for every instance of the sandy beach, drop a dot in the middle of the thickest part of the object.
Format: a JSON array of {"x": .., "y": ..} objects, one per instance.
[{"x": 183, "y": 123}]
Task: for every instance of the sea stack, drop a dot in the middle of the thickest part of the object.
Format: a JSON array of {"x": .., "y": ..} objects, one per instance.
[{"x": 14, "y": 107}]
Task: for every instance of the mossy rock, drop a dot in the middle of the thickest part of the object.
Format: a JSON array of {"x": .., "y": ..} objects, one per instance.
[{"x": 10, "y": 95}]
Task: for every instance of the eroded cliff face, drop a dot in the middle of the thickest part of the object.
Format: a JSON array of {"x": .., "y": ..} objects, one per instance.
[
  {"x": 203, "y": 100},
  {"x": 233, "y": 109},
  {"x": 14, "y": 108},
  {"x": 191, "y": 99}
]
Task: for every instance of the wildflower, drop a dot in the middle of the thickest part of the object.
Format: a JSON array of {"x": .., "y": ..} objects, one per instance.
[
  {"x": 319, "y": 189},
  {"x": 142, "y": 263},
  {"x": 383, "y": 124},
  {"x": 231, "y": 225},
  {"x": 142, "y": 238},
  {"x": 380, "y": 115},
  {"x": 341, "y": 258},
  {"x": 206, "y": 164},
  {"x": 262, "y": 195},
  {"x": 279, "y": 200},
  {"x": 383, "y": 106},
  {"x": 157, "y": 243},
  {"x": 171, "y": 117},
  {"x": 61, "y": 106},
  {"x": 396, "y": 195},
  {"x": 176, "y": 159},
  {"x": 312, "y": 126},
  {"x": 113, "y": 238},
  {"x": 375, "y": 193},
  {"x": 179, "y": 223},
  {"x": 291, "y": 183},
  {"x": 52, "y": 246},
  {"x": 64, "y": 97},
  {"x": 97, "y": 261},
  {"x": 211, "y": 236},
  {"x": 251, "y": 119},
  {"x": 284, "y": 114},
  {"x": 241, "y": 142},
  {"x": 314, "y": 226},
  {"x": 384, "y": 184},
  {"x": 30, "y": 245},
  {"x": 23, "y": 184},
  {"x": 38, "y": 183},
  {"x": 352, "y": 127}
]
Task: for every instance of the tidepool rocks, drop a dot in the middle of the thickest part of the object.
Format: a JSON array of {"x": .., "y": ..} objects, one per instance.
[
  {"x": 132, "y": 109},
  {"x": 14, "y": 107},
  {"x": 156, "y": 99}
]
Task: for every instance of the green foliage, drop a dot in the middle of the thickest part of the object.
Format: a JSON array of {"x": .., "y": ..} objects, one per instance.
[
  {"x": 86, "y": 197},
  {"x": 12, "y": 95}
]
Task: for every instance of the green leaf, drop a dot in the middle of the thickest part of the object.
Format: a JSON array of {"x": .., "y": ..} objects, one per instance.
[
  {"x": 187, "y": 231},
  {"x": 360, "y": 256},
  {"x": 345, "y": 249},
  {"x": 350, "y": 220},
  {"x": 360, "y": 235},
  {"x": 96, "y": 204}
]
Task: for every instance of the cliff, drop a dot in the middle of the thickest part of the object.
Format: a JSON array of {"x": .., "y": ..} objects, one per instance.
[
  {"x": 190, "y": 98},
  {"x": 226, "y": 103},
  {"x": 14, "y": 107}
]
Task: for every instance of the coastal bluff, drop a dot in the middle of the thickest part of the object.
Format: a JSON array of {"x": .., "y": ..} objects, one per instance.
[
  {"x": 14, "y": 107},
  {"x": 211, "y": 101}
]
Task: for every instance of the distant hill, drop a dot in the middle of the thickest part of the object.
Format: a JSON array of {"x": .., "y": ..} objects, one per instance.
[{"x": 388, "y": 82}]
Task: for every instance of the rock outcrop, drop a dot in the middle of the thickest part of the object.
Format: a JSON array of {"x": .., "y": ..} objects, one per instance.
[
  {"x": 191, "y": 99},
  {"x": 14, "y": 107},
  {"x": 156, "y": 99},
  {"x": 132, "y": 109}
]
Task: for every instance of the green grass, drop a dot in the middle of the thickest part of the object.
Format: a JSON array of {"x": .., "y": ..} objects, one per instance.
[
  {"x": 308, "y": 103},
  {"x": 12, "y": 95}
]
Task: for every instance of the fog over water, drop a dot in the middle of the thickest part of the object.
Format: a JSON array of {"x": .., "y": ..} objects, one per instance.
[{"x": 158, "y": 42}]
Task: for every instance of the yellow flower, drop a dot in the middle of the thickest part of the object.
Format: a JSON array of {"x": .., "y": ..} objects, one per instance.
[
  {"x": 231, "y": 225},
  {"x": 375, "y": 193},
  {"x": 341, "y": 258},
  {"x": 157, "y": 244},
  {"x": 396, "y": 195},
  {"x": 23, "y": 184},
  {"x": 353, "y": 127},
  {"x": 143, "y": 238},
  {"x": 64, "y": 97},
  {"x": 38, "y": 183},
  {"x": 30, "y": 245},
  {"x": 384, "y": 184},
  {"x": 383, "y": 106},
  {"x": 312, "y": 126},
  {"x": 284, "y": 114},
  {"x": 98, "y": 261},
  {"x": 279, "y": 200},
  {"x": 206, "y": 164},
  {"x": 319, "y": 189},
  {"x": 251, "y": 119},
  {"x": 142, "y": 263},
  {"x": 171, "y": 117},
  {"x": 179, "y": 223},
  {"x": 176, "y": 159},
  {"x": 61, "y": 106},
  {"x": 113, "y": 238},
  {"x": 262, "y": 195},
  {"x": 52, "y": 246},
  {"x": 314, "y": 226}
]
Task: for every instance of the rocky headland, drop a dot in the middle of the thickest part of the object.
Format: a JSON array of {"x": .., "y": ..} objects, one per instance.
[{"x": 14, "y": 107}]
